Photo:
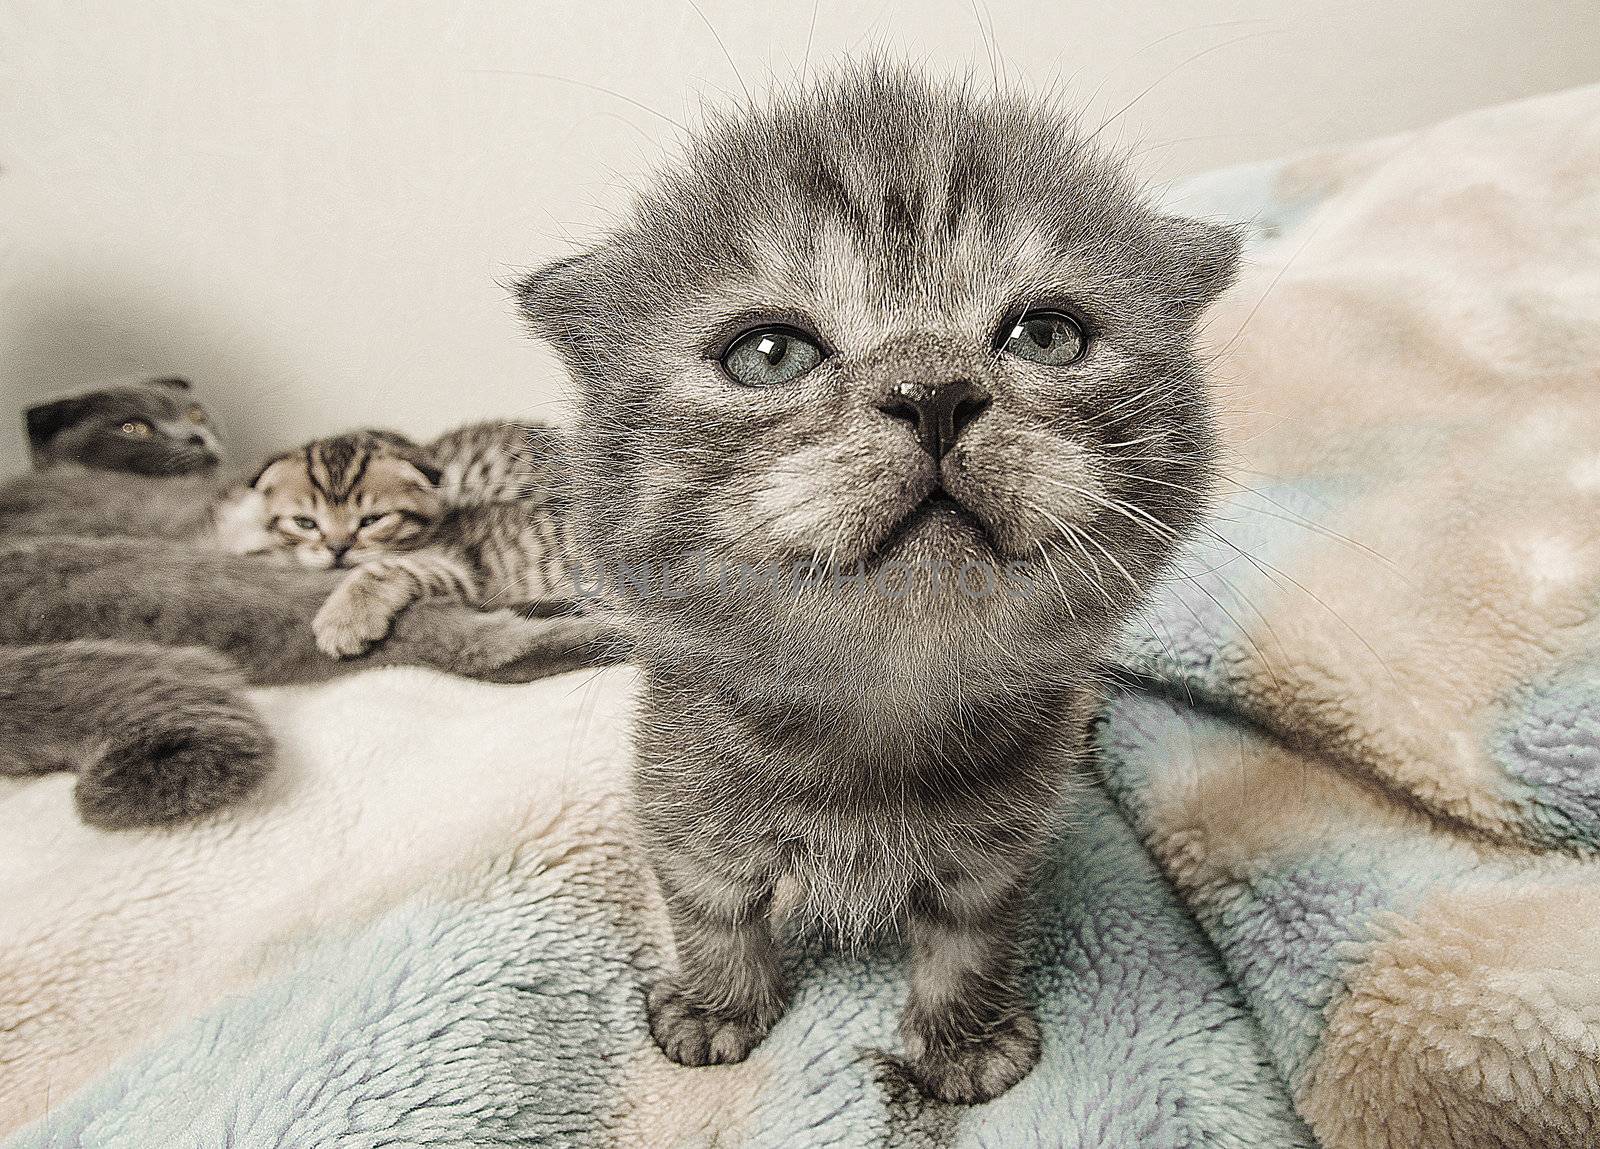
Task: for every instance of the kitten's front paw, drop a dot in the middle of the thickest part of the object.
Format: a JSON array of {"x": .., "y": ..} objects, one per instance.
[
  {"x": 350, "y": 625},
  {"x": 693, "y": 1035},
  {"x": 973, "y": 1071}
]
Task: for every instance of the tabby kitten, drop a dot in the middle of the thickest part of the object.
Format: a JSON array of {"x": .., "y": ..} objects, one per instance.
[
  {"x": 878, "y": 333},
  {"x": 473, "y": 517},
  {"x": 152, "y": 427}
]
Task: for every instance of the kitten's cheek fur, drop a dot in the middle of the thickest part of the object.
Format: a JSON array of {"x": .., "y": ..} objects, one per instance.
[
  {"x": 831, "y": 500},
  {"x": 1022, "y": 483}
]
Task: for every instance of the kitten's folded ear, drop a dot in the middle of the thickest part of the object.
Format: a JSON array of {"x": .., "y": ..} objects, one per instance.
[
  {"x": 413, "y": 453},
  {"x": 47, "y": 420},
  {"x": 1201, "y": 260},
  {"x": 428, "y": 471},
  {"x": 174, "y": 382},
  {"x": 554, "y": 299},
  {"x": 263, "y": 478}
]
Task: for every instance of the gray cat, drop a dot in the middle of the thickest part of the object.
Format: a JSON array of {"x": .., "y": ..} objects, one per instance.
[
  {"x": 924, "y": 356},
  {"x": 97, "y": 503},
  {"x": 151, "y": 427}
]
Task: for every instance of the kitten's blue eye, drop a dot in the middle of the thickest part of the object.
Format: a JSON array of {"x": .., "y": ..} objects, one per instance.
[
  {"x": 770, "y": 355},
  {"x": 1049, "y": 337},
  {"x": 371, "y": 520},
  {"x": 304, "y": 523}
]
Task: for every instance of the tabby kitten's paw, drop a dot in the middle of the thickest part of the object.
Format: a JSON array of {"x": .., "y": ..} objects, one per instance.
[
  {"x": 350, "y": 624},
  {"x": 967, "y": 1072},
  {"x": 691, "y": 1034}
]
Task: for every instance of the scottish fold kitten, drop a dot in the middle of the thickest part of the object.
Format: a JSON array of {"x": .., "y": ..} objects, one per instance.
[
  {"x": 151, "y": 427},
  {"x": 475, "y": 517},
  {"x": 344, "y": 500},
  {"x": 883, "y": 339}
]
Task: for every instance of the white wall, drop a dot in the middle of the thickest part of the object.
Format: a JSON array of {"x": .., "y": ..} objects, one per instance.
[{"x": 306, "y": 204}]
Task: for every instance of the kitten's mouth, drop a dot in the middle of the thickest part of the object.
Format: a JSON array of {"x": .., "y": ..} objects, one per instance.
[{"x": 937, "y": 526}]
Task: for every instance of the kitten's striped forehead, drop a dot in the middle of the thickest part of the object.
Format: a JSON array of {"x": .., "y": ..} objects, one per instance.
[
  {"x": 879, "y": 203},
  {"x": 886, "y": 194},
  {"x": 899, "y": 210},
  {"x": 335, "y": 466},
  {"x": 356, "y": 469}
]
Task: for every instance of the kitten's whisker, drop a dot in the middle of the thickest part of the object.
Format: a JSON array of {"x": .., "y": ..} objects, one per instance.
[
  {"x": 1288, "y": 514},
  {"x": 643, "y": 107},
  {"x": 805, "y": 64},
  {"x": 988, "y": 45},
  {"x": 1066, "y": 599},
  {"x": 726, "y": 55},
  {"x": 1089, "y": 535},
  {"x": 1150, "y": 523},
  {"x": 1265, "y": 567},
  {"x": 1093, "y": 573}
]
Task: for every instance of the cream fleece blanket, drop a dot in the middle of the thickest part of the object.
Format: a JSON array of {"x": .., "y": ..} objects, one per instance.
[{"x": 1339, "y": 888}]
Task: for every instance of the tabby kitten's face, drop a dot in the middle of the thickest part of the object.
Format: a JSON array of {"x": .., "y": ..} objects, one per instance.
[
  {"x": 349, "y": 499},
  {"x": 890, "y": 322},
  {"x": 155, "y": 427}
]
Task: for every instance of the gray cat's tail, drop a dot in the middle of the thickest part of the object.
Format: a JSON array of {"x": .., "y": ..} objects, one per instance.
[{"x": 156, "y": 734}]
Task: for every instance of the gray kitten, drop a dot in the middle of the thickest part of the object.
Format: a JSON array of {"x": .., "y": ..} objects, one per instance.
[
  {"x": 152, "y": 427},
  {"x": 925, "y": 356}
]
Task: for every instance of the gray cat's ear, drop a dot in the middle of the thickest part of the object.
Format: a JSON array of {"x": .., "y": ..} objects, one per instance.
[
  {"x": 172, "y": 382},
  {"x": 1202, "y": 260},
  {"x": 554, "y": 299},
  {"x": 47, "y": 420}
]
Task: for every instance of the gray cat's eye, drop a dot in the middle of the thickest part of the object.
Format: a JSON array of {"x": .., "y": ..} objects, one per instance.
[
  {"x": 304, "y": 523},
  {"x": 769, "y": 356},
  {"x": 1053, "y": 338}
]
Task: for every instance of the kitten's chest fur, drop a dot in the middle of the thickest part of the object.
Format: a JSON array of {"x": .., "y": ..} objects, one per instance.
[{"x": 843, "y": 828}]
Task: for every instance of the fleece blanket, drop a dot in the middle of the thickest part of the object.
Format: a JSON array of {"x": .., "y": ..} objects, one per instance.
[{"x": 1337, "y": 885}]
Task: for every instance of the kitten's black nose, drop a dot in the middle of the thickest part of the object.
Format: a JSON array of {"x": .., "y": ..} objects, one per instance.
[
  {"x": 197, "y": 440},
  {"x": 938, "y": 412}
]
